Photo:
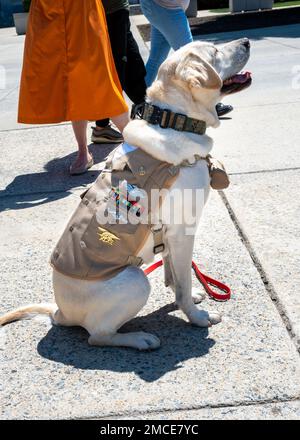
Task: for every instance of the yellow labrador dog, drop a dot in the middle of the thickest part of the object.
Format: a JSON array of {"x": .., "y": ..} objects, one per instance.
[{"x": 191, "y": 81}]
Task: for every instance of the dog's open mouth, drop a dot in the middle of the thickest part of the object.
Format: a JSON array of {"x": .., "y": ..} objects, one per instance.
[{"x": 236, "y": 83}]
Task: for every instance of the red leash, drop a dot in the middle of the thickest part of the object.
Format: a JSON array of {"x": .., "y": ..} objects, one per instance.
[{"x": 205, "y": 280}]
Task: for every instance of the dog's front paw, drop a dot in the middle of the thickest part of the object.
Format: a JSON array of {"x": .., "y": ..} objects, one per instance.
[
  {"x": 197, "y": 296},
  {"x": 201, "y": 318}
]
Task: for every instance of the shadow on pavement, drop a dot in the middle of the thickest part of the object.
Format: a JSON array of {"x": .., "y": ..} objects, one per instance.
[
  {"x": 31, "y": 190},
  {"x": 180, "y": 342}
]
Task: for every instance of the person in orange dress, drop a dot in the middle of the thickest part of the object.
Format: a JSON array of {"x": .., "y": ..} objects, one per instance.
[{"x": 68, "y": 71}]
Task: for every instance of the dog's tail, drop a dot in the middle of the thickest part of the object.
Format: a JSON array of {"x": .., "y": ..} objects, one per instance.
[{"x": 28, "y": 312}]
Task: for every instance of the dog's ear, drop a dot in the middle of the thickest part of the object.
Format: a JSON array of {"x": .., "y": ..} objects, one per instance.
[{"x": 197, "y": 72}]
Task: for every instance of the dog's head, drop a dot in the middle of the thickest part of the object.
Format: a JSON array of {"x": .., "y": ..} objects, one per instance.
[{"x": 198, "y": 75}]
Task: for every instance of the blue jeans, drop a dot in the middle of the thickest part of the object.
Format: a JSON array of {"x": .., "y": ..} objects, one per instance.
[{"x": 169, "y": 29}]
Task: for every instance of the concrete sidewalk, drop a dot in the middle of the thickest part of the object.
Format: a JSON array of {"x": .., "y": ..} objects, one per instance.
[{"x": 245, "y": 368}]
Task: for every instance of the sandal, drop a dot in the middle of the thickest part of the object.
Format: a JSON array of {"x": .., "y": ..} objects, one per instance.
[{"x": 74, "y": 171}]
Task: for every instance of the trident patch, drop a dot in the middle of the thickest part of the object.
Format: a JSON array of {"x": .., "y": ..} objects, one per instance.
[{"x": 107, "y": 237}]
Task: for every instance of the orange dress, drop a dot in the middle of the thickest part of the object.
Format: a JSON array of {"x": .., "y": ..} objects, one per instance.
[{"x": 68, "y": 68}]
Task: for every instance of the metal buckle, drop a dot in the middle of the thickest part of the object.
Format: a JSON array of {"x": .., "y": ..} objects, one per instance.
[
  {"x": 158, "y": 249},
  {"x": 179, "y": 122},
  {"x": 158, "y": 227},
  {"x": 165, "y": 118},
  {"x": 137, "y": 110}
]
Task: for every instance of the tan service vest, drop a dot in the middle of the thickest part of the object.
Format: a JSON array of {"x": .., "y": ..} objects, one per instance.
[{"x": 90, "y": 250}]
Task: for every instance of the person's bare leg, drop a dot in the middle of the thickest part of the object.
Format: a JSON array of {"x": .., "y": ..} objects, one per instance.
[
  {"x": 121, "y": 121},
  {"x": 83, "y": 157}
]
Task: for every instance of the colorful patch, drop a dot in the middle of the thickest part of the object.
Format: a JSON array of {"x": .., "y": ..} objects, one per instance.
[{"x": 127, "y": 199}]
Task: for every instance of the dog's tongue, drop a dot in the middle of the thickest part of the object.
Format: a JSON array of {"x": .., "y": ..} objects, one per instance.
[{"x": 240, "y": 78}]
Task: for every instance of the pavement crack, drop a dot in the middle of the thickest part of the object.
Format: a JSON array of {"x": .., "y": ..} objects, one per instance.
[
  {"x": 274, "y": 170},
  {"x": 269, "y": 104},
  {"x": 35, "y": 127},
  {"x": 7, "y": 94},
  {"x": 259, "y": 267},
  {"x": 278, "y": 43},
  {"x": 75, "y": 189},
  {"x": 232, "y": 405}
]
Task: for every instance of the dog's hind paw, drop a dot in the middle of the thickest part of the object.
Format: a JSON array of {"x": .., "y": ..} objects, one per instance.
[
  {"x": 145, "y": 341},
  {"x": 139, "y": 340}
]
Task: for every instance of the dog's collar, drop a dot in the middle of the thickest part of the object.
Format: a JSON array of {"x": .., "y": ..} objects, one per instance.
[{"x": 167, "y": 119}]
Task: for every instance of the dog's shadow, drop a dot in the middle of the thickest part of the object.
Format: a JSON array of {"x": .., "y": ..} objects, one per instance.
[{"x": 180, "y": 342}]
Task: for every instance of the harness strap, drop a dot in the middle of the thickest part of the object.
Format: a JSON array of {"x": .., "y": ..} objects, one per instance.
[
  {"x": 205, "y": 280},
  {"x": 157, "y": 232}
]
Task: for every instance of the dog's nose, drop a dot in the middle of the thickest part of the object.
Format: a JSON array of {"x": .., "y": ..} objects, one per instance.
[{"x": 246, "y": 43}]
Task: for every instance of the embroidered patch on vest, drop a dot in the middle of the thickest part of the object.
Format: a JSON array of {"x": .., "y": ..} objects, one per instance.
[{"x": 107, "y": 237}]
